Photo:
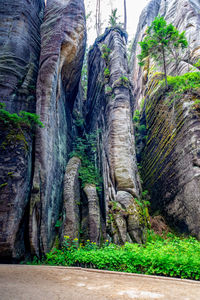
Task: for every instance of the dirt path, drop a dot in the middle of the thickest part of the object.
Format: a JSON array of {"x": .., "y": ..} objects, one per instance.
[{"x": 19, "y": 282}]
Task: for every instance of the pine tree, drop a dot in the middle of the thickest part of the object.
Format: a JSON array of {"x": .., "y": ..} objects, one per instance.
[{"x": 162, "y": 42}]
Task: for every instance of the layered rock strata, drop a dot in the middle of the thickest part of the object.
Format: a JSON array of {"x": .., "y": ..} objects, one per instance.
[
  {"x": 170, "y": 159},
  {"x": 19, "y": 55},
  {"x": 62, "y": 50},
  {"x": 109, "y": 109}
]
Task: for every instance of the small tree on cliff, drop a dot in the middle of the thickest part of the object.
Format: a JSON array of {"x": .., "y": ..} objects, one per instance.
[{"x": 162, "y": 42}]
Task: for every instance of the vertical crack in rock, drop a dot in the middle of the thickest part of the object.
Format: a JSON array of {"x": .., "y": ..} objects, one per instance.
[
  {"x": 19, "y": 55},
  {"x": 63, "y": 44}
]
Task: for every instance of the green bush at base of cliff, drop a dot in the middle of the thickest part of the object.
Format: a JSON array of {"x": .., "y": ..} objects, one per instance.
[{"x": 170, "y": 256}]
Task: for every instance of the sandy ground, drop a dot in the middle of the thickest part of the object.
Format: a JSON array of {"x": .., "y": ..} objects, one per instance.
[{"x": 18, "y": 282}]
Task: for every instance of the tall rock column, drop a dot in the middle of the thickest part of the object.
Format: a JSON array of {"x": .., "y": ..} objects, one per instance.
[
  {"x": 109, "y": 113},
  {"x": 19, "y": 56},
  {"x": 71, "y": 220},
  {"x": 63, "y": 44}
]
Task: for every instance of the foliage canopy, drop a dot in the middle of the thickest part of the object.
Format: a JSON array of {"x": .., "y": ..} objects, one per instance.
[{"x": 162, "y": 41}]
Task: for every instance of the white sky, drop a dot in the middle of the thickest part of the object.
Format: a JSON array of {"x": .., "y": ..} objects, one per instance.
[{"x": 134, "y": 8}]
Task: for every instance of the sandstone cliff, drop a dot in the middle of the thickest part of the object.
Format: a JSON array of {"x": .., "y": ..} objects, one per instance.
[
  {"x": 78, "y": 176},
  {"x": 19, "y": 56},
  {"x": 169, "y": 161},
  {"x": 62, "y": 50},
  {"x": 109, "y": 114}
]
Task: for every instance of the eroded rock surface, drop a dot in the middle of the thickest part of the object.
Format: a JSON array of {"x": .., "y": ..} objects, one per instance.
[
  {"x": 109, "y": 109},
  {"x": 171, "y": 163},
  {"x": 71, "y": 222},
  {"x": 62, "y": 50},
  {"x": 94, "y": 217},
  {"x": 170, "y": 160},
  {"x": 19, "y": 56}
]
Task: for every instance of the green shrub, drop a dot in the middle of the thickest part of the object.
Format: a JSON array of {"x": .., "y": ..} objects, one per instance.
[
  {"x": 136, "y": 116},
  {"x": 184, "y": 82},
  {"x": 108, "y": 90},
  {"x": 197, "y": 65},
  {"x": 105, "y": 52},
  {"x": 174, "y": 256},
  {"x": 106, "y": 72},
  {"x": 85, "y": 148},
  {"x": 22, "y": 119}
]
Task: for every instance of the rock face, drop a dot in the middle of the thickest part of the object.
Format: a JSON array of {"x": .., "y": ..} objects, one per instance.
[
  {"x": 170, "y": 160},
  {"x": 62, "y": 50},
  {"x": 45, "y": 194},
  {"x": 71, "y": 220},
  {"x": 19, "y": 55},
  {"x": 94, "y": 217},
  {"x": 109, "y": 109}
]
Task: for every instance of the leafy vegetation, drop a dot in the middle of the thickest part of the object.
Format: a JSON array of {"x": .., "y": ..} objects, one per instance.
[
  {"x": 124, "y": 80},
  {"x": 184, "y": 82},
  {"x": 136, "y": 116},
  {"x": 114, "y": 19},
  {"x": 85, "y": 149},
  {"x": 105, "y": 52},
  {"x": 170, "y": 256},
  {"x": 22, "y": 119},
  {"x": 197, "y": 65},
  {"x": 162, "y": 42},
  {"x": 108, "y": 90},
  {"x": 106, "y": 72}
]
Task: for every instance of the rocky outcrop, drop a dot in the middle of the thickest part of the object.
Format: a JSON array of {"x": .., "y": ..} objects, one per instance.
[
  {"x": 62, "y": 50},
  {"x": 72, "y": 199},
  {"x": 109, "y": 115},
  {"x": 169, "y": 161},
  {"x": 19, "y": 55},
  {"x": 94, "y": 217}
]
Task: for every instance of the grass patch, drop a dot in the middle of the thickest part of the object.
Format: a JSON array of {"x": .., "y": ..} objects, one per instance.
[{"x": 170, "y": 256}]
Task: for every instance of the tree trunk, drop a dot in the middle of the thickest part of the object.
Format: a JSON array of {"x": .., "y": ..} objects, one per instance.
[
  {"x": 164, "y": 65},
  {"x": 125, "y": 15}
]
